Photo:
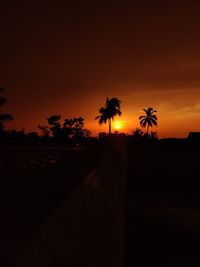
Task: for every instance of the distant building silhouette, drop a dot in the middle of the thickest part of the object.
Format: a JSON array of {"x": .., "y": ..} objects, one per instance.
[{"x": 194, "y": 136}]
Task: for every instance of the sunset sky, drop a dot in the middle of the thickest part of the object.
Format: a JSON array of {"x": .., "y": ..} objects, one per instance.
[{"x": 66, "y": 57}]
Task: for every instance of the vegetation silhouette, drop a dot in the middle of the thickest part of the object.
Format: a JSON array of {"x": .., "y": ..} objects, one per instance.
[
  {"x": 139, "y": 136},
  {"x": 72, "y": 130},
  {"x": 45, "y": 131},
  {"x": 137, "y": 132},
  {"x": 154, "y": 136},
  {"x": 75, "y": 128},
  {"x": 55, "y": 126},
  {"x": 109, "y": 111},
  {"x": 149, "y": 119},
  {"x": 4, "y": 117}
]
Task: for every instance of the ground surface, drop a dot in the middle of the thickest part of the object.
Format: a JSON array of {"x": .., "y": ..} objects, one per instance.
[
  {"x": 64, "y": 213},
  {"x": 35, "y": 183},
  {"x": 163, "y": 205},
  {"x": 55, "y": 213}
]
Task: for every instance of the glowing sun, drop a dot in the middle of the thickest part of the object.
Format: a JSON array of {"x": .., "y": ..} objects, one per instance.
[{"x": 117, "y": 125}]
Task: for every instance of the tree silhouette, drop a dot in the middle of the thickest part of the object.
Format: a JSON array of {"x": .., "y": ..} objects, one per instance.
[
  {"x": 109, "y": 111},
  {"x": 149, "y": 119},
  {"x": 68, "y": 127},
  {"x": 154, "y": 136},
  {"x": 55, "y": 126},
  {"x": 4, "y": 117},
  {"x": 74, "y": 128},
  {"x": 138, "y": 134},
  {"x": 71, "y": 130},
  {"x": 2, "y": 99},
  {"x": 45, "y": 130}
]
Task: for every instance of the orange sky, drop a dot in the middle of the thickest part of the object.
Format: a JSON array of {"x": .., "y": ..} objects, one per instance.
[
  {"x": 61, "y": 58},
  {"x": 175, "y": 118}
]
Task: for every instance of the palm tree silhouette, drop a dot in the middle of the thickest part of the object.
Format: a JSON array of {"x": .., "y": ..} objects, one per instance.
[
  {"x": 109, "y": 111},
  {"x": 4, "y": 117},
  {"x": 149, "y": 119}
]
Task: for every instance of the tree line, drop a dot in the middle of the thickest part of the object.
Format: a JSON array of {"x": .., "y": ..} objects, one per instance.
[{"x": 73, "y": 129}]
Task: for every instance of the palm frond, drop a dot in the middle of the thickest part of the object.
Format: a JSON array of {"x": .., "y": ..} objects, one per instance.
[
  {"x": 154, "y": 122},
  {"x": 150, "y": 122},
  {"x": 101, "y": 110},
  {"x": 2, "y": 100},
  {"x": 6, "y": 117},
  {"x": 118, "y": 112},
  {"x": 141, "y": 117},
  {"x": 154, "y": 117},
  {"x": 143, "y": 122},
  {"x": 97, "y": 117}
]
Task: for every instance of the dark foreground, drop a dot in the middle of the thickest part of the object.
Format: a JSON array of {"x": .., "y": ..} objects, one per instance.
[
  {"x": 114, "y": 203},
  {"x": 63, "y": 214},
  {"x": 34, "y": 184},
  {"x": 163, "y": 203}
]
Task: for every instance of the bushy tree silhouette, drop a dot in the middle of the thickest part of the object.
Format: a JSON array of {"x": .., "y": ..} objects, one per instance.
[
  {"x": 75, "y": 128},
  {"x": 45, "y": 130},
  {"x": 72, "y": 129},
  {"x": 154, "y": 136},
  {"x": 149, "y": 119},
  {"x": 68, "y": 127},
  {"x": 55, "y": 126},
  {"x": 109, "y": 111},
  {"x": 138, "y": 134}
]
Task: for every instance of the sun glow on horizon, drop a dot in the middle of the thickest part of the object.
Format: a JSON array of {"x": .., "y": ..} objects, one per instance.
[{"x": 118, "y": 125}]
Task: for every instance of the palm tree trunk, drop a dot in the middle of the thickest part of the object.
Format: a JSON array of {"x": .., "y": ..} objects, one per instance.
[
  {"x": 109, "y": 123},
  {"x": 147, "y": 129}
]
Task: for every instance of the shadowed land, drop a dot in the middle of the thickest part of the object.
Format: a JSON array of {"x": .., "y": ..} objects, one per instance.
[
  {"x": 72, "y": 211},
  {"x": 61, "y": 199},
  {"x": 163, "y": 204},
  {"x": 29, "y": 195}
]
